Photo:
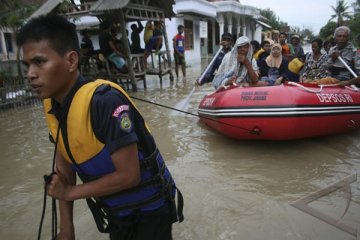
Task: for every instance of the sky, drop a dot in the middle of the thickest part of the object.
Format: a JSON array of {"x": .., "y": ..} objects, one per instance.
[{"x": 311, "y": 14}]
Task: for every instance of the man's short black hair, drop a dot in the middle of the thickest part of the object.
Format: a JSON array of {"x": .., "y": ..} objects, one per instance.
[
  {"x": 318, "y": 41},
  {"x": 57, "y": 30},
  {"x": 180, "y": 26},
  {"x": 133, "y": 26},
  {"x": 227, "y": 35},
  {"x": 283, "y": 33}
]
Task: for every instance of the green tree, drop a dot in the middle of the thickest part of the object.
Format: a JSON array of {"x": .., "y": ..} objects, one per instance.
[
  {"x": 340, "y": 12},
  {"x": 273, "y": 20},
  {"x": 354, "y": 23},
  {"x": 306, "y": 34},
  {"x": 13, "y": 14},
  {"x": 327, "y": 31}
]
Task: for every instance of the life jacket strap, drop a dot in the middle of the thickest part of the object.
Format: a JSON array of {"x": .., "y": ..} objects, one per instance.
[{"x": 149, "y": 162}]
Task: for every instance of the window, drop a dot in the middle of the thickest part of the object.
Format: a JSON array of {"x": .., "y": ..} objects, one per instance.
[
  {"x": 9, "y": 42},
  {"x": 189, "y": 35}
]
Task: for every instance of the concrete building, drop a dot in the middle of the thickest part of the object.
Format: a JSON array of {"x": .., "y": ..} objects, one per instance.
[{"x": 206, "y": 21}]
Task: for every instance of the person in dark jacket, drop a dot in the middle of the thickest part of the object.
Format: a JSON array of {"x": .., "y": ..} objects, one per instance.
[
  {"x": 273, "y": 68},
  {"x": 226, "y": 43}
]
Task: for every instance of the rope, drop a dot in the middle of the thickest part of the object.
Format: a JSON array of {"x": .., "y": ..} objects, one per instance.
[
  {"x": 47, "y": 179},
  {"x": 196, "y": 115},
  {"x": 353, "y": 88},
  {"x": 306, "y": 88}
]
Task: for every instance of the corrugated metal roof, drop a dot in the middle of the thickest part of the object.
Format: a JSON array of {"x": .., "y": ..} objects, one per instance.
[
  {"x": 107, "y": 5},
  {"x": 46, "y": 8}
]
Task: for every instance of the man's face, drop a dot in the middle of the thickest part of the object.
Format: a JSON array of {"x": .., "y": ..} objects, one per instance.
[
  {"x": 266, "y": 47},
  {"x": 282, "y": 38},
  {"x": 181, "y": 30},
  {"x": 342, "y": 38},
  {"x": 47, "y": 71},
  {"x": 226, "y": 42},
  {"x": 315, "y": 47},
  {"x": 295, "y": 41},
  {"x": 243, "y": 50}
]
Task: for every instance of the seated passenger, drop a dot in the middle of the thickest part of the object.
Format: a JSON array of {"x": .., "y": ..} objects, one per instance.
[
  {"x": 226, "y": 43},
  {"x": 265, "y": 45},
  {"x": 287, "y": 49},
  {"x": 298, "y": 49},
  {"x": 240, "y": 67},
  {"x": 327, "y": 45},
  {"x": 315, "y": 62},
  {"x": 256, "y": 48},
  {"x": 273, "y": 68},
  {"x": 344, "y": 49},
  {"x": 108, "y": 47}
]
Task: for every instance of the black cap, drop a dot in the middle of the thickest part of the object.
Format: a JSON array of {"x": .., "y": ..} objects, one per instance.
[{"x": 226, "y": 35}]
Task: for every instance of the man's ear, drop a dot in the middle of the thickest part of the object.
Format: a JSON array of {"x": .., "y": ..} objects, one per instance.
[{"x": 73, "y": 61}]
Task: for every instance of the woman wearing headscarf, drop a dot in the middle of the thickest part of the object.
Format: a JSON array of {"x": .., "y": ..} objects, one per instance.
[
  {"x": 239, "y": 66},
  {"x": 273, "y": 67}
]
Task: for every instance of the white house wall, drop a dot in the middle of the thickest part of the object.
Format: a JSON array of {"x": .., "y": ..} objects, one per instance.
[
  {"x": 194, "y": 55},
  {"x": 200, "y": 7},
  {"x": 5, "y": 55}
]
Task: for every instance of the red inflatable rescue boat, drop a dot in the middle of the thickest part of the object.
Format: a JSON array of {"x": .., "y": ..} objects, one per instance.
[{"x": 287, "y": 111}]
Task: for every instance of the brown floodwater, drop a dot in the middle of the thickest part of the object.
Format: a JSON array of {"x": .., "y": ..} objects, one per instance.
[{"x": 232, "y": 189}]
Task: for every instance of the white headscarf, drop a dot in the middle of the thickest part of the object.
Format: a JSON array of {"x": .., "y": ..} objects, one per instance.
[
  {"x": 241, "y": 69},
  {"x": 230, "y": 63}
]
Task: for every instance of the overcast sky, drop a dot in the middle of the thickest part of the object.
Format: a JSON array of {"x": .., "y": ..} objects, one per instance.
[{"x": 311, "y": 14}]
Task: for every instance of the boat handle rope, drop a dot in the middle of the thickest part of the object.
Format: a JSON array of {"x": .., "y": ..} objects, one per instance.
[
  {"x": 306, "y": 88},
  {"x": 353, "y": 88}
]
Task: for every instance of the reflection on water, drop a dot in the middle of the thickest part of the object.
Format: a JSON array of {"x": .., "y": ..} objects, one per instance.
[{"x": 232, "y": 189}]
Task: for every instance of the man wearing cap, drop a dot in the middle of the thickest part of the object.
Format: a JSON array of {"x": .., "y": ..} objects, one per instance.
[
  {"x": 298, "y": 49},
  {"x": 226, "y": 43}
]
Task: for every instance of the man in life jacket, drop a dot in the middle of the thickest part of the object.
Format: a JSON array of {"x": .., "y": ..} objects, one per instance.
[
  {"x": 179, "y": 51},
  {"x": 100, "y": 135}
]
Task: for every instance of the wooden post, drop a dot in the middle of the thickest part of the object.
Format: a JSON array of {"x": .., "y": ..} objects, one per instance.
[
  {"x": 127, "y": 50},
  {"x": 167, "y": 50}
]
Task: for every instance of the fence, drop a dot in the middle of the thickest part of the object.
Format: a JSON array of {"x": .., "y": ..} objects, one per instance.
[{"x": 15, "y": 95}]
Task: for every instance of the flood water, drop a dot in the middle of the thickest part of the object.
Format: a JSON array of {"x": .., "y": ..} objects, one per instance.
[{"x": 232, "y": 189}]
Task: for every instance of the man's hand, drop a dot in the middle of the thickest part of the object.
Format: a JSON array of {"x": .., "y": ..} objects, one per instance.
[
  {"x": 66, "y": 234},
  {"x": 241, "y": 58},
  {"x": 231, "y": 80},
  {"x": 335, "y": 55},
  {"x": 59, "y": 187}
]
